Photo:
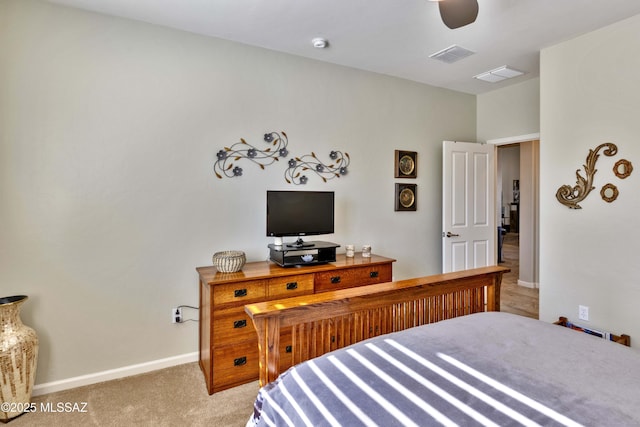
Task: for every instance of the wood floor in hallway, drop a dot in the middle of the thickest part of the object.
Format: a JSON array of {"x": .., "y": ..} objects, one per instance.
[{"x": 513, "y": 298}]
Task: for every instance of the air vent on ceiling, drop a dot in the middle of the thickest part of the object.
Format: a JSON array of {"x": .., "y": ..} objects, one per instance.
[
  {"x": 499, "y": 74},
  {"x": 451, "y": 54}
]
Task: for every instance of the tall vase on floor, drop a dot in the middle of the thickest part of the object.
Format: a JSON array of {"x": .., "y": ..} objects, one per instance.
[{"x": 18, "y": 359}]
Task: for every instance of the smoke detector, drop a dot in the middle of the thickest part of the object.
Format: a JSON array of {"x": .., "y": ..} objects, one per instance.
[{"x": 320, "y": 43}]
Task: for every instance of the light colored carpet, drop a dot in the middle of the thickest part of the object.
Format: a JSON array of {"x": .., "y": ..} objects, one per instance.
[{"x": 175, "y": 396}]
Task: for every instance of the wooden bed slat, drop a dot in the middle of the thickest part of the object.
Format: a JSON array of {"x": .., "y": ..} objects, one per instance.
[{"x": 327, "y": 321}]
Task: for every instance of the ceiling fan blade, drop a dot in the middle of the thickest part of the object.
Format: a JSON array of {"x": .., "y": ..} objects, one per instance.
[{"x": 458, "y": 13}]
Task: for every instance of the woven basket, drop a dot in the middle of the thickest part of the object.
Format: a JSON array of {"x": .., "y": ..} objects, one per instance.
[{"x": 229, "y": 261}]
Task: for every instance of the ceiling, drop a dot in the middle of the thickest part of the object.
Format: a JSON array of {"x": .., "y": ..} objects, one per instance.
[{"x": 392, "y": 37}]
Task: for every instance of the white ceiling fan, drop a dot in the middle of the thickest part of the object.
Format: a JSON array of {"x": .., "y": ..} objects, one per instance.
[{"x": 458, "y": 13}]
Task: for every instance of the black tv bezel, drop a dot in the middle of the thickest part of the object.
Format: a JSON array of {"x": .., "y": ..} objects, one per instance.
[{"x": 306, "y": 232}]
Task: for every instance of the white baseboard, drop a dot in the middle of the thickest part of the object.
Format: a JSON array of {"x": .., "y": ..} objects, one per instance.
[
  {"x": 528, "y": 284},
  {"x": 112, "y": 374}
]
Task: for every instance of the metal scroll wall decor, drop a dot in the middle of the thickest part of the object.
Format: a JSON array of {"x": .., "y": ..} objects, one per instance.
[
  {"x": 243, "y": 150},
  {"x": 310, "y": 163},
  {"x": 572, "y": 196},
  {"x": 278, "y": 142}
]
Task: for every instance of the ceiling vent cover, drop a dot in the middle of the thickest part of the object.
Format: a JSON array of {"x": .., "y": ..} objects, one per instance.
[
  {"x": 499, "y": 74},
  {"x": 451, "y": 54}
]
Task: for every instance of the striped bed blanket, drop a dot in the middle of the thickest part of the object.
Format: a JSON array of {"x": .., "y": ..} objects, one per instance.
[{"x": 492, "y": 369}]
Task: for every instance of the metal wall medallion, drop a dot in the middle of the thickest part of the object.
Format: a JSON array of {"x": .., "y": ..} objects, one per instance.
[
  {"x": 623, "y": 168},
  {"x": 609, "y": 193}
]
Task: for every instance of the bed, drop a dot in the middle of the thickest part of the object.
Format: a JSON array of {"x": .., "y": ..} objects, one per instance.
[
  {"x": 459, "y": 361},
  {"x": 481, "y": 369}
]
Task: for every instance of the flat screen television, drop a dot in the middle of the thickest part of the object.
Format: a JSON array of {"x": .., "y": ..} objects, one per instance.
[{"x": 299, "y": 213}]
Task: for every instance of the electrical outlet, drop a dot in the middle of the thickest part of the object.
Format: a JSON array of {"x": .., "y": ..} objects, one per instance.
[
  {"x": 583, "y": 312},
  {"x": 176, "y": 315}
]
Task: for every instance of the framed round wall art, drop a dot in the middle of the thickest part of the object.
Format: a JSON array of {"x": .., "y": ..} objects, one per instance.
[
  {"x": 406, "y": 164},
  {"x": 406, "y": 197}
]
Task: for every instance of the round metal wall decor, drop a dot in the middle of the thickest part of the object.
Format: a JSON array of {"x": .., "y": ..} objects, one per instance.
[
  {"x": 623, "y": 168},
  {"x": 407, "y": 165},
  {"x": 407, "y": 198},
  {"x": 609, "y": 193}
]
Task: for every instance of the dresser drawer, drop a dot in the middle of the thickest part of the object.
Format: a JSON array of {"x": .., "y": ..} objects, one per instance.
[
  {"x": 232, "y": 326},
  {"x": 239, "y": 293},
  {"x": 290, "y": 286},
  {"x": 350, "y": 277},
  {"x": 235, "y": 364}
]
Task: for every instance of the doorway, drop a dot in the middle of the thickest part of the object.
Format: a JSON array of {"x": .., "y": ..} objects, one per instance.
[{"x": 517, "y": 172}]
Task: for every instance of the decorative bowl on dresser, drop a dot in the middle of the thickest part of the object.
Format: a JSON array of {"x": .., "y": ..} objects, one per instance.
[
  {"x": 229, "y": 261},
  {"x": 228, "y": 340}
]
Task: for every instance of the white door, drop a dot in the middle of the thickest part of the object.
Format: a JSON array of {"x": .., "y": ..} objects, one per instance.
[{"x": 468, "y": 220}]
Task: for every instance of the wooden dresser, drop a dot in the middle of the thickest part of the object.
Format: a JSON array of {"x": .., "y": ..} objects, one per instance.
[{"x": 228, "y": 340}]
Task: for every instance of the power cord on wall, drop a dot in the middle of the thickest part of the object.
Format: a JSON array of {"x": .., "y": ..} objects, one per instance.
[{"x": 177, "y": 317}]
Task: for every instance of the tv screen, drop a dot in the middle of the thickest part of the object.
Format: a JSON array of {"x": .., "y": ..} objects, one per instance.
[{"x": 299, "y": 213}]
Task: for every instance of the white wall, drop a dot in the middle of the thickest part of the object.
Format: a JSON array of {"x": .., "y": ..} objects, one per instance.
[
  {"x": 108, "y": 135},
  {"x": 510, "y": 111},
  {"x": 590, "y": 94}
]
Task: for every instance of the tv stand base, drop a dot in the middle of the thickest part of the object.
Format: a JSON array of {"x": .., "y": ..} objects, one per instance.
[
  {"x": 301, "y": 244},
  {"x": 310, "y": 253}
]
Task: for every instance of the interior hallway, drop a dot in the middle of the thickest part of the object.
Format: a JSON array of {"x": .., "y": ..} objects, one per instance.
[{"x": 513, "y": 298}]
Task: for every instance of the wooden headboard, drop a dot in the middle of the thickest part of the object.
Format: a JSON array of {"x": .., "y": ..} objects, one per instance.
[{"x": 327, "y": 321}]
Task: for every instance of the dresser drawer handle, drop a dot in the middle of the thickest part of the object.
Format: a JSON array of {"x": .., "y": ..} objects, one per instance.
[
  {"x": 288, "y": 349},
  {"x": 240, "y": 361},
  {"x": 240, "y": 293},
  {"x": 240, "y": 324},
  {"x": 292, "y": 285},
  {"x": 373, "y": 274},
  {"x": 335, "y": 279}
]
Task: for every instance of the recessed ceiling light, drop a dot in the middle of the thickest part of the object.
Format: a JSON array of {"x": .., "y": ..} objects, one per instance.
[
  {"x": 499, "y": 74},
  {"x": 320, "y": 43}
]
